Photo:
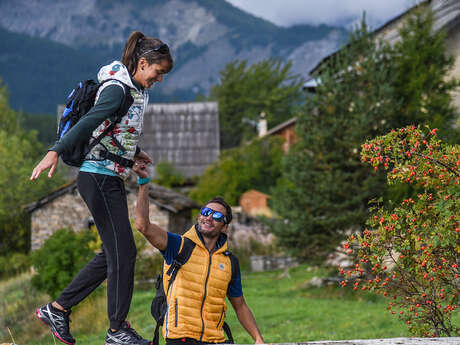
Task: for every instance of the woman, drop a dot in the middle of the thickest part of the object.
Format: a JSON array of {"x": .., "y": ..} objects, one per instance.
[{"x": 100, "y": 182}]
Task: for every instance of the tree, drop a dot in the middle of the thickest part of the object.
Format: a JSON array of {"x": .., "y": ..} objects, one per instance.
[
  {"x": 19, "y": 152},
  {"x": 245, "y": 92},
  {"x": 253, "y": 166},
  {"x": 410, "y": 252},
  {"x": 324, "y": 190},
  {"x": 168, "y": 175},
  {"x": 422, "y": 65}
]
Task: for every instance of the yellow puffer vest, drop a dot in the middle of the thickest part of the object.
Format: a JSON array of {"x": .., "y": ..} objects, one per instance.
[{"x": 196, "y": 300}]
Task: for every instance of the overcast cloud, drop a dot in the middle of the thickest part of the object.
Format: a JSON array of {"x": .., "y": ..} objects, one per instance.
[{"x": 332, "y": 12}]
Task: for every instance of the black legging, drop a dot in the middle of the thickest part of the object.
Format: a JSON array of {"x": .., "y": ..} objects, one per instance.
[{"x": 106, "y": 199}]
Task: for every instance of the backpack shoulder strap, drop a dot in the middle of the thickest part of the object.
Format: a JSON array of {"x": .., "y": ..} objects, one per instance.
[
  {"x": 235, "y": 264},
  {"x": 126, "y": 103},
  {"x": 180, "y": 260}
]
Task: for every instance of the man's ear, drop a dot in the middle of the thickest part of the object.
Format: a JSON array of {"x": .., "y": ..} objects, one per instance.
[{"x": 225, "y": 228}]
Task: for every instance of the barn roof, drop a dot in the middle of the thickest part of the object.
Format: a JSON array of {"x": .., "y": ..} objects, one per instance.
[{"x": 291, "y": 122}]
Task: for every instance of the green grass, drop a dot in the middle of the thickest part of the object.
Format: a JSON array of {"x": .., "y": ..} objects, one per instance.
[{"x": 286, "y": 310}]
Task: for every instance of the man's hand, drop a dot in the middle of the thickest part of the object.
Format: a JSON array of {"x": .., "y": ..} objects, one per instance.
[{"x": 140, "y": 168}]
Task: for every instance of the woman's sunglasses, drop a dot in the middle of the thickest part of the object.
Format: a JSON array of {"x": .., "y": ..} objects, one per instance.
[
  {"x": 216, "y": 215},
  {"x": 162, "y": 49}
]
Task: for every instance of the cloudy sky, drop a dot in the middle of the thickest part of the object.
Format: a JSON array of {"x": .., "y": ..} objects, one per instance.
[{"x": 333, "y": 12}]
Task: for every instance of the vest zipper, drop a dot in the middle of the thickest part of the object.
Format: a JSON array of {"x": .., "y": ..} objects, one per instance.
[
  {"x": 204, "y": 297},
  {"x": 175, "y": 307}
]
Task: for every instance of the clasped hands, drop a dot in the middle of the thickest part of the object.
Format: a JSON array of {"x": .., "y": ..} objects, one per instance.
[{"x": 141, "y": 160}]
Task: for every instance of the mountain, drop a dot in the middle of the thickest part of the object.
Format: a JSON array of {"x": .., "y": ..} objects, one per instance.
[{"x": 48, "y": 45}]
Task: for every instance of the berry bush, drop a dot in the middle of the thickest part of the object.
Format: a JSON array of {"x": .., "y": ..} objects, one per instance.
[{"x": 410, "y": 250}]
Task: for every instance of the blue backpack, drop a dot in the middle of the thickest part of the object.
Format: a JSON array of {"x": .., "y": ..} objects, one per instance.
[{"x": 77, "y": 105}]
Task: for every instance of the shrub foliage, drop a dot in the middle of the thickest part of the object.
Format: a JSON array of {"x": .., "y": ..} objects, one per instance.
[
  {"x": 60, "y": 258},
  {"x": 410, "y": 251}
]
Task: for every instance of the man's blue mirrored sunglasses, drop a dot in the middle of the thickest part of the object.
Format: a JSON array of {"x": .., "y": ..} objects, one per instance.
[{"x": 216, "y": 215}]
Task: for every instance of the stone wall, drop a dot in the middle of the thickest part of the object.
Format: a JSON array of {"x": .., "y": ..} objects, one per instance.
[
  {"x": 261, "y": 263},
  {"x": 453, "y": 48},
  {"x": 157, "y": 215},
  {"x": 66, "y": 211}
]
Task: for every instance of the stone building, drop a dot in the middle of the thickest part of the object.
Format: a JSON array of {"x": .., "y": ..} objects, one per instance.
[
  {"x": 446, "y": 17},
  {"x": 65, "y": 208}
]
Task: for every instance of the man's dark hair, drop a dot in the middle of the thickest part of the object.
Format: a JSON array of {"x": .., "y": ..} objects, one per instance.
[{"x": 228, "y": 209}]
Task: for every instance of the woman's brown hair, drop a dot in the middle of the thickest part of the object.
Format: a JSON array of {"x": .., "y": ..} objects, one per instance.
[{"x": 150, "y": 48}]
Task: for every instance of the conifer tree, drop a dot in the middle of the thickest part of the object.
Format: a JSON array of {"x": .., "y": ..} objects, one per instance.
[
  {"x": 325, "y": 189},
  {"x": 422, "y": 65}
]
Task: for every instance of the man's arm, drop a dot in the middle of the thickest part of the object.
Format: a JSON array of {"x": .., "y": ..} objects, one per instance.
[
  {"x": 246, "y": 318},
  {"x": 152, "y": 232}
]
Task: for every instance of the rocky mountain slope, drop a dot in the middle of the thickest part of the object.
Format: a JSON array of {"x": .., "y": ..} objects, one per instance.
[{"x": 61, "y": 41}]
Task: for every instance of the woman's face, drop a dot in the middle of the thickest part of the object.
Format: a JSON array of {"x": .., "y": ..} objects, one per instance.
[{"x": 146, "y": 75}]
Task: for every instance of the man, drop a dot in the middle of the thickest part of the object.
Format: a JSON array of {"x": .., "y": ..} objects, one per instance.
[{"x": 196, "y": 299}]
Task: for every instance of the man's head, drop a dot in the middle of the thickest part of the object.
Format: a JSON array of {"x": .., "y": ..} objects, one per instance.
[{"x": 214, "y": 217}]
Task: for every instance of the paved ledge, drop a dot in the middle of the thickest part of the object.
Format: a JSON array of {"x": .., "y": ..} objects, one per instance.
[{"x": 389, "y": 341}]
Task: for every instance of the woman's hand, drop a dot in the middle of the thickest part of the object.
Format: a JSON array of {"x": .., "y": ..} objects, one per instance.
[{"x": 50, "y": 161}]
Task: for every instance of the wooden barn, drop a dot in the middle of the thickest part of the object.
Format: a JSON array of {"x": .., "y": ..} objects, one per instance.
[{"x": 183, "y": 134}]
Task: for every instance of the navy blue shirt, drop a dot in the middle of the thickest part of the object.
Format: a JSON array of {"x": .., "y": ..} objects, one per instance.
[{"x": 172, "y": 249}]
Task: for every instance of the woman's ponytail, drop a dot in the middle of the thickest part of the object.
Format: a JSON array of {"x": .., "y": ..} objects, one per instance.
[{"x": 129, "y": 53}]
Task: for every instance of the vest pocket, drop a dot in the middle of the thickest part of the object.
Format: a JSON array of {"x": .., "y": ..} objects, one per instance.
[
  {"x": 176, "y": 312},
  {"x": 220, "y": 323}
]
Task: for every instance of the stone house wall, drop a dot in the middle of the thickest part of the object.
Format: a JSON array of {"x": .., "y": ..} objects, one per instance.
[
  {"x": 453, "y": 48},
  {"x": 446, "y": 16},
  {"x": 70, "y": 211}
]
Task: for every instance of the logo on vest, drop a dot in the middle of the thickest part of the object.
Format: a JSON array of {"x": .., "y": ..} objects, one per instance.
[
  {"x": 222, "y": 267},
  {"x": 115, "y": 69}
]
